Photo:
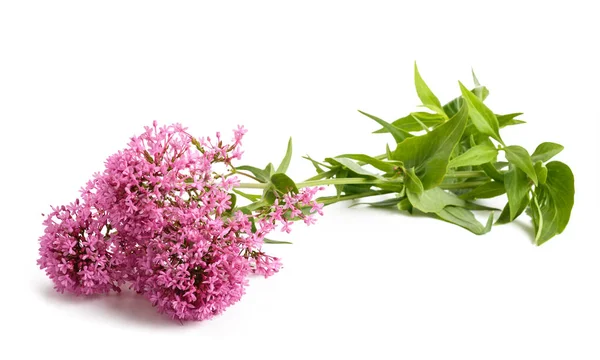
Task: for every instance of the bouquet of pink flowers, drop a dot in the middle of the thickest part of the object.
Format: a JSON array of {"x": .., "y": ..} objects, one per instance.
[{"x": 163, "y": 217}]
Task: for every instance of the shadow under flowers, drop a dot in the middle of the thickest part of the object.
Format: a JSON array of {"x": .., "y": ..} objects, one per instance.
[{"x": 126, "y": 306}]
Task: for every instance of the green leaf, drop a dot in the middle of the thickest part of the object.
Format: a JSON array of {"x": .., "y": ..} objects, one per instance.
[
  {"x": 491, "y": 171},
  {"x": 505, "y": 215},
  {"x": 541, "y": 171},
  {"x": 376, "y": 163},
  {"x": 317, "y": 164},
  {"x": 477, "y": 155},
  {"x": 411, "y": 122},
  {"x": 413, "y": 183},
  {"x": 251, "y": 197},
  {"x": 285, "y": 163},
  {"x": 352, "y": 166},
  {"x": 509, "y": 119},
  {"x": 269, "y": 241},
  {"x": 430, "y": 153},
  {"x": 499, "y": 165},
  {"x": 284, "y": 184},
  {"x": 270, "y": 194},
  {"x": 253, "y": 222},
  {"x": 475, "y": 80},
  {"x": 433, "y": 200},
  {"x": 245, "y": 210},
  {"x": 488, "y": 190},
  {"x": 427, "y": 97},
  {"x": 398, "y": 134},
  {"x": 248, "y": 209},
  {"x": 422, "y": 118},
  {"x": 481, "y": 92},
  {"x": 260, "y": 174},
  {"x": 520, "y": 158},
  {"x": 464, "y": 218},
  {"x": 388, "y": 152},
  {"x": 546, "y": 151},
  {"x": 553, "y": 202},
  {"x": 517, "y": 186},
  {"x": 393, "y": 202},
  {"x": 269, "y": 169},
  {"x": 481, "y": 116},
  {"x": 280, "y": 184},
  {"x": 452, "y": 107},
  {"x": 342, "y": 173},
  {"x": 405, "y": 205},
  {"x": 233, "y": 202}
]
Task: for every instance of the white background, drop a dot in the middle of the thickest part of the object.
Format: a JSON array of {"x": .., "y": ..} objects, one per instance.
[{"x": 77, "y": 79}]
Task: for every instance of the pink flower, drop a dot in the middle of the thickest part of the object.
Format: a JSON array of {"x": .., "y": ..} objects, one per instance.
[
  {"x": 159, "y": 217},
  {"x": 264, "y": 264},
  {"x": 76, "y": 254}
]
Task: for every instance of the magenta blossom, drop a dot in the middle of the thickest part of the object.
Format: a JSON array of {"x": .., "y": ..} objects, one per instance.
[
  {"x": 75, "y": 252},
  {"x": 166, "y": 207}
]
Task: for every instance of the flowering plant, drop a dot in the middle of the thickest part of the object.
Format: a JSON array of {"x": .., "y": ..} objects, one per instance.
[{"x": 163, "y": 216}]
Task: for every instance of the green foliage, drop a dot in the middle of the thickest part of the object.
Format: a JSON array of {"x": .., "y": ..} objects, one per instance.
[
  {"x": 413, "y": 122},
  {"x": 447, "y": 159},
  {"x": 481, "y": 116},
  {"x": 398, "y": 133},
  {"x": 488, "y": 190},
  {"x": 442, "y": 163},
  {"x": 427, "y": 97},
  {"x": 433, "y": 200},
  {"x": 477, "y": 155},
  {"x": 271, "y": 241},
  {"x": 517, "y": 187},
  {"x": 465, "y": 218},
  {"x": 279, "y": 185},
  {"x": 519, "y": 157},
  {"x": 509, "y": 119},
  {"x": 285, "y": 163},
  {"x": 546, "y": 151},
  {"x": 430, "y": 153},
  {"x": 553, "y": 202}
]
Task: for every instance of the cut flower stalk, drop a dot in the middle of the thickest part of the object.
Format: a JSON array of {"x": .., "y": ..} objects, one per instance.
[{"x": 163, "y": 217}]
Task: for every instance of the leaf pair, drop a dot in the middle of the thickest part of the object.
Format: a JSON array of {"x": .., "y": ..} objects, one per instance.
[
  {"x": 264, "y": 175},
  {"x": 552, "y": 202},
  {"x": 553, "y": 196}
]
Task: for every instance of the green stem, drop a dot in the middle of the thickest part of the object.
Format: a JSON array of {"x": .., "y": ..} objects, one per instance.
[
  {"x": 378, "y": 157},
  {"x": 466, "y": 174},
  {"x": 235, "y": 171},
  {"x": 251, "y": 186},
  {"x": 341, "y": 181},
  {"x": 349, "y": 181},
  {"x": 328, "y": 200},
  {"x": 464, "y": 185}
]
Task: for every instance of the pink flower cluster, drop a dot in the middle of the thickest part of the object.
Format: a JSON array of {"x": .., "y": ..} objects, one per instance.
[{"x": 161, "y": 219}]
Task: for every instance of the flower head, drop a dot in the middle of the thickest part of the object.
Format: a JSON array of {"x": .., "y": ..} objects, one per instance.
[
  {"x": 165, "y": 204},
  {"x": 75, "y": 252}
]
